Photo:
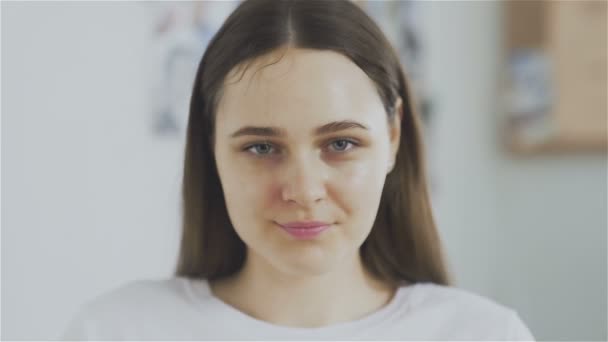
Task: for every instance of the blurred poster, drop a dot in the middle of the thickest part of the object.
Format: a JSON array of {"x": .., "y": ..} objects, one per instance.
[
  {"x": 530, "y": 95},
  {"x": 401, "y": 22},
  {"x": 556, "y": 76},
  {"x": 180, "y": 33}
]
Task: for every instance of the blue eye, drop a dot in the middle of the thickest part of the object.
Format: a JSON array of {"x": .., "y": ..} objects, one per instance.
[
  {"x": 341, "y": 145},
  {"x": 260, "y": 149}
]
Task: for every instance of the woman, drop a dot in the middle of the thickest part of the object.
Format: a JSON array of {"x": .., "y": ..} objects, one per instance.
[{"x": 305, "y": 205}]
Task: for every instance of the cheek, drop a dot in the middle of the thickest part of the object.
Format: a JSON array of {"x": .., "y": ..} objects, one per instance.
[
  {"x": 360, "y": 191},
  {"x": 361, "y": 183},
  {"x": 361, "y": 176},
  {"x": 242, "y": 187},
  {"x": 355, "y": 191},
  {"x": 245, "y": 192}
]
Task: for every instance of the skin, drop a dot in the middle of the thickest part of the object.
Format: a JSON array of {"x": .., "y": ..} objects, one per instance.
[{"x": 336, "y": 177}]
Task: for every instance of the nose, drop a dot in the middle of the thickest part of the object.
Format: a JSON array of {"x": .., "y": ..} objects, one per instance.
[{"x": 304, "y": 181}]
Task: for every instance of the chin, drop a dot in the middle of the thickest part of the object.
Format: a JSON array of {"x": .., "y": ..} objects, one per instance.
[{"x": 312, "y": 263}]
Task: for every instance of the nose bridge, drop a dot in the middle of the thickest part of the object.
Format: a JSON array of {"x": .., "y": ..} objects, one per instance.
[{"x": 304, "y": 178}]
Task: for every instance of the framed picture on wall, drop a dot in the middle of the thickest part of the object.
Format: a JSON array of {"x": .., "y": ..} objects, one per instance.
[{"x": 556, "y": 91}]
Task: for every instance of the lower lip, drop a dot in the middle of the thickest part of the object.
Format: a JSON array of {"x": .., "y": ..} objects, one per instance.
[{"x": 306, "y": 233}]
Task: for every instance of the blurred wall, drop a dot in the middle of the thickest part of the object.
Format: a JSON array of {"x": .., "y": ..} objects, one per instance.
[
  {"x": 527, "y": 231},
  {"x": 90, "y": 197}
]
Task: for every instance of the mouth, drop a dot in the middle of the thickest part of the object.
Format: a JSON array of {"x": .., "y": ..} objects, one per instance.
[
  {"x": 305, "y": 230},
  {"x": 304, "y": 224}
]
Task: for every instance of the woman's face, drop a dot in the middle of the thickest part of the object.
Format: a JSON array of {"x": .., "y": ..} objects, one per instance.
[{"x": 299, "y": 168}]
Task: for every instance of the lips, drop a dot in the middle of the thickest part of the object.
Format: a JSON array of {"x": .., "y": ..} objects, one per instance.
[
  {"x": 304, "y": 224},
  {"x": 305, "y": 230}
]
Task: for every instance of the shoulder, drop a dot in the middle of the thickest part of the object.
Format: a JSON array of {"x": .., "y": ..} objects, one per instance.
[
  {"x": 464, "y": 310},
  {"x": 433, "y": 295},
  {"x": 142, "y": 293},
  {"x": 122, "y": 307}
]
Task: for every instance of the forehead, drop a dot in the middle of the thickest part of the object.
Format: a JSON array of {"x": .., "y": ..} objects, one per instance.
[{"x": 298, "y": 88}]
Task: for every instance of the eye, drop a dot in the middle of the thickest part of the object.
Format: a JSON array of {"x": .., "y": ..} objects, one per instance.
[
  {"x": 342, "y": 145},
  {"x": 260, "y": 149}
]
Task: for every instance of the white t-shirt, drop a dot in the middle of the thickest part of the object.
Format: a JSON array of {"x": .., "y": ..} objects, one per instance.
[{"x": 186, "y": 309}]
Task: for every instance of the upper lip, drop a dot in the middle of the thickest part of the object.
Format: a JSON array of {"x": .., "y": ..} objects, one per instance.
[{"x": 304, "y": 224}]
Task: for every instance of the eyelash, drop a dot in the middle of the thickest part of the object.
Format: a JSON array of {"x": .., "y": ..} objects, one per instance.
[{"x": 352, "y": 142}]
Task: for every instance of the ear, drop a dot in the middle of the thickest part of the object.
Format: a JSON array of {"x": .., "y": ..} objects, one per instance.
[{"x": 395, "y": 132}]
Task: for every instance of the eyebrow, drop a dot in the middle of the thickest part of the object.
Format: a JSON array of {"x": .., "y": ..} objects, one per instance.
[{"x": 278, "y": 132}]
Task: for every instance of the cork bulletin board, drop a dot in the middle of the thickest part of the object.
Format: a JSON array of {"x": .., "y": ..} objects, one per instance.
[{"x": 556, "y": 82}]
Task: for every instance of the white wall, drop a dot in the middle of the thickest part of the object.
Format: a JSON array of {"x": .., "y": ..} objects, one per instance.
[
  {"x": 553, "y": 233},
  {"x": 529, "y": 232},
  {"x": 90, "y": 197},
  {"x": 463, "y": 69}
]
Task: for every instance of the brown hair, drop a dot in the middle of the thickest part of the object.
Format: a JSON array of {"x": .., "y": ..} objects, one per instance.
[{"x": 403, "y": 245}]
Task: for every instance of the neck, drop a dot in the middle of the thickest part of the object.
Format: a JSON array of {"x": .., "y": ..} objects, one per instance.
[{"x": 265, "y": 293}]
